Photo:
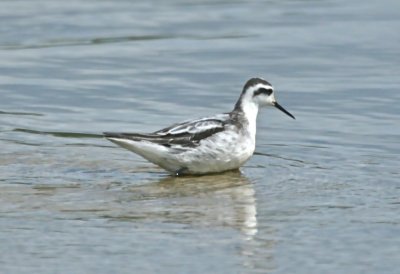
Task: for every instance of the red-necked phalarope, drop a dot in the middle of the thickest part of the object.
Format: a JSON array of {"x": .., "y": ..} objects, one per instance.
[{"x": 206, "y": 145}]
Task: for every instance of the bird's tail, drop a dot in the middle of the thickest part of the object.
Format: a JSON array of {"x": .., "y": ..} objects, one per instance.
[{"x": 134, "y": 137}]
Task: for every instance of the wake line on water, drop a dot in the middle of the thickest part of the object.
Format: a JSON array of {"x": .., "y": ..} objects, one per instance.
[
  {"x": 60, "y": 133},
  {"x": 107, "y": 40}
]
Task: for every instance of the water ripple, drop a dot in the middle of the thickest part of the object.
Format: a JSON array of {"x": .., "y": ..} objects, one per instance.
[
  {"x": 59, "y": 133},
  {"x": 110, "y": 40}
]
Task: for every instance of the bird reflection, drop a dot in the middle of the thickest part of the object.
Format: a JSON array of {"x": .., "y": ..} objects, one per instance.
[{"x": 208, "y": 201}]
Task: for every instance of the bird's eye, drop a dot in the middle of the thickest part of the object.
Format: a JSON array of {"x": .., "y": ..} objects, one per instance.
[{"x": 263, "y": 91}]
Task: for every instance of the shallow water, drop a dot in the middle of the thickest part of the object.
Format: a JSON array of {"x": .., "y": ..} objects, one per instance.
[{"x": 320, "y": 195}]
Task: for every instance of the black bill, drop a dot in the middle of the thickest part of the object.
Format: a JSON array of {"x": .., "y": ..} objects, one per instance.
[{"x": 278, "y": 106}]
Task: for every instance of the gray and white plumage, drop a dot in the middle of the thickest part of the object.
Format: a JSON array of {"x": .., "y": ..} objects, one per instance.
[{"x": 207, "y": 145}]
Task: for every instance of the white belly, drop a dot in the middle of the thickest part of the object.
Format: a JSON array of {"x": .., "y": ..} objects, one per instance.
[{"x": 219, "y": 153}]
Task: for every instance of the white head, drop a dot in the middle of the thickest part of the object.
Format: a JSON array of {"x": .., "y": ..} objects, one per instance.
[{"x": 257, "y": 93}]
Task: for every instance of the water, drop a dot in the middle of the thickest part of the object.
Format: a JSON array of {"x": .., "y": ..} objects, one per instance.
[{"x": 320, "y": 195}]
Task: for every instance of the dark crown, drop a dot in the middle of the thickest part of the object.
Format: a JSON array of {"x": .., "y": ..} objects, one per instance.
[{"x": 253, "y": 82}]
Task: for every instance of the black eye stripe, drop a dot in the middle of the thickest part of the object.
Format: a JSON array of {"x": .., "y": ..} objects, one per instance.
[{"x": 263, "y": 91}]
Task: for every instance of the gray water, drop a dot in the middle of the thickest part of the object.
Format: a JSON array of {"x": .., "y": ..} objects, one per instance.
[{"x": 320, "y": 195}]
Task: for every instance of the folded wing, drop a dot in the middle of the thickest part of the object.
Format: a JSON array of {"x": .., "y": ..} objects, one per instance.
[{"x": 187, "y": 134}]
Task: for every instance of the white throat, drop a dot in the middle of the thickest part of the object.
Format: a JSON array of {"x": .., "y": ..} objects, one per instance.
[{"x": 250, "y": 110}]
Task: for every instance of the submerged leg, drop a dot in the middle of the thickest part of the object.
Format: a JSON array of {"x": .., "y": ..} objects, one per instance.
[{"x": 181, "y": 171}]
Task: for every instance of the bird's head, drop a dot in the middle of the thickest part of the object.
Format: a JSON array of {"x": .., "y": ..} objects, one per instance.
[{"x": 256, "y": 93}]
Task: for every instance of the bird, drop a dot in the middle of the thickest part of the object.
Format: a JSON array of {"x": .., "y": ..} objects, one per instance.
[{"x": 206, "y": 145}]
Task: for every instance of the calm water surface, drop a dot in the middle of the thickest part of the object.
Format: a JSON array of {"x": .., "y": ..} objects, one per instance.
[{"x": 320, "y": 195}]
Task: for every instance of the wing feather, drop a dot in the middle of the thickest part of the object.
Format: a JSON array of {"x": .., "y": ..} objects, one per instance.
[{"x": 186, "y": 134}]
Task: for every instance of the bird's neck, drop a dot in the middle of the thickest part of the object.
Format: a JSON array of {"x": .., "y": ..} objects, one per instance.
[{"x": 250, "y": 112}]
